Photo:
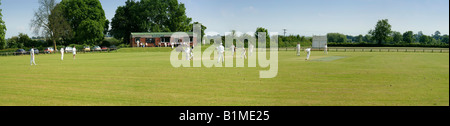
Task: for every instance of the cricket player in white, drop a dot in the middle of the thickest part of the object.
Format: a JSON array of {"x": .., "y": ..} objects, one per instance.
[
  {"x": 250, "y": 49},
  {"x": 74, "y": 52},
  {"x": 32, "y": 57},
  {"x": 187, "y": 50},
  {"x": 137, "y": 43},
  {"x": 308, "y": 52},
  {"x": 62, "y": 53},
  {"x": 232, "y": 49},
  {"x": 192, "y": 53},
  {"x": 326, "y": 49},
  {"x": 220, "y": 50},
  {"x": 243, "y": 55},
  {"x": 298, "y": 49}
]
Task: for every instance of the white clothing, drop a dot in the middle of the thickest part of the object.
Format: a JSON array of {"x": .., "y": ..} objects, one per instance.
[
  {"x": 298, "y": 49},
  {"x": 243, "y": 53},
  {"x": 232, "y": 50},
  {"x": 308, "y": 52},
  {"x": 221, "y": 49},
  {"x": 188, "y": 53},
  {"x": 32, "y": 53},
  {"x": 74, "y": 51},
  {"x": 62, "y": 53},
  {"x": 32, "y": 57},
  {"x": 326, "y": 49}
]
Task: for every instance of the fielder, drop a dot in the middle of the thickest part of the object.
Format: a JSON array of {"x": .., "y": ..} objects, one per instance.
[
  {"x": 187, "y": 50},
  {"x": 232, "y": 49},
  {"x": 192, "y": 53},
  {"x": 326, "y": 49},
  {"x": 308, "y": 52},
  {"x": 243, "y": 54},
  {"x": 62, "y": 53},
  {"x": 220, "y": 50},
  {"x": 74, "y": 52},
  {"x": 32, "y": 57},
  {"x": 298, "y": 49},
  {"x": 137, "y": 43}
]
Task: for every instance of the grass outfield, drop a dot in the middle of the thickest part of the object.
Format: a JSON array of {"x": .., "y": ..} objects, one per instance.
[{"x": 145, "y": 77}]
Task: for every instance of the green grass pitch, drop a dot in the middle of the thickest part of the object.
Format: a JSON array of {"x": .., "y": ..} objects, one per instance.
[{"x": 144, "y": 77}]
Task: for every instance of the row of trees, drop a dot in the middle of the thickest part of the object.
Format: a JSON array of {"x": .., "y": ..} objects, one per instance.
[
  {"x": 71, "y": 21},
  {"x": 23, "y": 40},
  {"x": 150, "y": 16},
  {"x": 283, "y": 41},
  {"x": 83, "y": 22},
  {"x": 408, "y": 37},
  {"x": 293, "y": 40},
  {"x": 382, "y": 34}
]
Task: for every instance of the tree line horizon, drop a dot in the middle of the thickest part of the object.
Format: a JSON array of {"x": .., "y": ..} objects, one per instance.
[{"x": 83, "y": 22}]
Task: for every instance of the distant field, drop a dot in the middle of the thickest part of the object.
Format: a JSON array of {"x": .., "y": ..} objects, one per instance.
[{"x": 144, "y": 77}]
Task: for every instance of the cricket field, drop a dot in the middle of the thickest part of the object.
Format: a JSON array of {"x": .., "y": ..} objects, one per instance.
[{"x": 145, "y": 77}]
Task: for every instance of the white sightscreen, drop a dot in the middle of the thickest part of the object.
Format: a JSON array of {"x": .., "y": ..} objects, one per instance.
[{"x": 319, "y": 42}]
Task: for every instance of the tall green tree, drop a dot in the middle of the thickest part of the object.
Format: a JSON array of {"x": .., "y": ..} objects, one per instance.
[
  {"x": 261, "y": 29},
  {"x": 40, "y": 24},
  {"x": 425, "y": 39},
  {"x": 336, "y": 37},
  {"x": 178, "y": 21},
  {"x": 359, "y": 38},
  {"x": 2, "y": 30},
  {"x": 397, "y": 37},
  {"x": 149, "y": 16},
  {"x": 86, "y": 18},
  {"x": 126, "y": 21},
  {"x": 20, "y": 41},
  {"x": 13, "y": 42},
  {"x": 437, "y": 35},
  {"x": 381, "y": 31},
  {"x": 368, "y": 38},
  {"x": 59, "y": 26},
  {"x": 444, "y": 39},
  {"x": 408, "y": 37},
  {"x": 417, "y": 36},
  {"x": 25, "y": 40},
  {"x": 106, "y": 27},
  {"x": 203, "y": 28}
]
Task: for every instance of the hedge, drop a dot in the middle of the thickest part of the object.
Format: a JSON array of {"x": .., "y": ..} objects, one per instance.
[{"x": 333, "y": 44}]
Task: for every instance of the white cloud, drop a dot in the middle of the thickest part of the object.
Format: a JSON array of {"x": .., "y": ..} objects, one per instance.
[
  {"x": 211, "y": 33},
  {"x": 21, "y": 28},
  {"x": 251, "y": 9}
]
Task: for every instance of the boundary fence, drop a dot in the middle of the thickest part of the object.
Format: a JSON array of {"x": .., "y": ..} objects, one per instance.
[{"x": 368, "y": 49}]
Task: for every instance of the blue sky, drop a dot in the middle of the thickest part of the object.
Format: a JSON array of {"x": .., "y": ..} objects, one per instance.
[{"x": 304, "y": 17}]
